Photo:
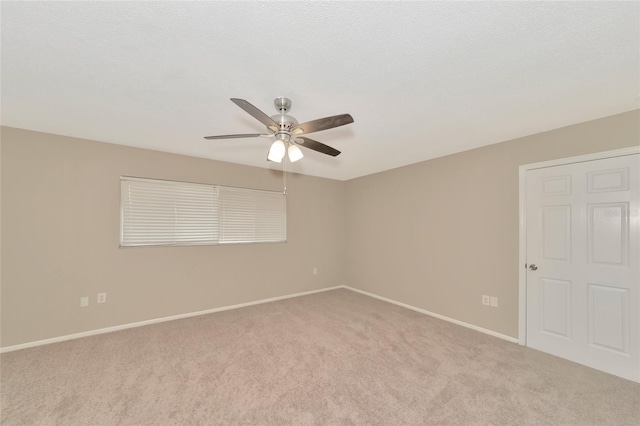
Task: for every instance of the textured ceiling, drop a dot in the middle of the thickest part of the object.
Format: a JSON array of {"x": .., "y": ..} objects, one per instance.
[{"x": 421, "y": 79}]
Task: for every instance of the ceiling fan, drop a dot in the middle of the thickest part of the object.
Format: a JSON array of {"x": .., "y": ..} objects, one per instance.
[{"x": 287, "y": 131}]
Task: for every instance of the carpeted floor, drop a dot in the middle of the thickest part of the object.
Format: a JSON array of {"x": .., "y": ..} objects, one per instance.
[{"x": 332, "y": 358}]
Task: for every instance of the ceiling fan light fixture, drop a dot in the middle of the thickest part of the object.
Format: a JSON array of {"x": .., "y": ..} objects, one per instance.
[
  {"x": 294, "y": 153},
  {"x": 276, "y": 152}
]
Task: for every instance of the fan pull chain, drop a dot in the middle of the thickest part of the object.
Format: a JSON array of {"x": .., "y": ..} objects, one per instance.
[
  {"x": 284, "y": 159},
  {"x": 284, "y": 174}
]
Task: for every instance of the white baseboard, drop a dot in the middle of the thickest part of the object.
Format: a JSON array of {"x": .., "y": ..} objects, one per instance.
[
  {"x": 242, "y": 305},
  {"x": 433, "y": 314},
  {"x": 156, "y": 320}
]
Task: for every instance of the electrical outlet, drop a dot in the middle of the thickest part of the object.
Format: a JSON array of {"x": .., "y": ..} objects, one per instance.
[
  {"x": 102, "y": 297},
  {"x": 84, "y": 302},
  {"x": 494, "y": 301},
  {"x": 315, "y": 271},
  {"x": 486, "y": 300}
]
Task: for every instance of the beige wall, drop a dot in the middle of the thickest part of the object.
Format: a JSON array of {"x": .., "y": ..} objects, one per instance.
[
  {"x": 436, "y": 235},
  {"x": 441, "y": 233},
  {"x": 60, "y": 235}
]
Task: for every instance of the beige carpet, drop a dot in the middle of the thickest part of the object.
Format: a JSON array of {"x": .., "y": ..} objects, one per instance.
[{"x": 333, "y": 358}]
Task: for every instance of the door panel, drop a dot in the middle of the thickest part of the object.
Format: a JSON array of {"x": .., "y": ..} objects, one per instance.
[
  {"x": 608, "y": 232},
  {"x": 608, "y": 318},
  {"x": 583, "y": 234},
  {"x": 608, "y": 180},
  {"x": 555, "y": 227},
  {"x": 555, "y": 307},
  {"x": 556, "y": 185}
]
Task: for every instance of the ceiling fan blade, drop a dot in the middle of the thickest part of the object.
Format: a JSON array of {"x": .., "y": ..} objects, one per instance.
[
  {"x": 322, "y": 124},
  {"x": 250, "y": 135},
  {"x": 316, "y": 146},
  {"x": 256, "y": 113}
]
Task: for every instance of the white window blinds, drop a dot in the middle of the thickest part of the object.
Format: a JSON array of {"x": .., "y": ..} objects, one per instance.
[
  {"x": 157, "y": 212},
  {"x": 249, "y": 216}
]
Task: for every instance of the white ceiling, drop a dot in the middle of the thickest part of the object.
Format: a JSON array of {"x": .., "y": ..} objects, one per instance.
[{"x": 421, "y": 79}]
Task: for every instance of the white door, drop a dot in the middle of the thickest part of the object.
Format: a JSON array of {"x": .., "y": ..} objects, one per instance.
[{"x": 583, "y": 256}]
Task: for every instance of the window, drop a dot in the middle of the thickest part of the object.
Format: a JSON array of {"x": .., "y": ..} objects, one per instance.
[{"x": 158, "y": 212}]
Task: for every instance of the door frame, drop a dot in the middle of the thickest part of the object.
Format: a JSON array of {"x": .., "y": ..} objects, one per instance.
[{"x": 522, "y": 201}]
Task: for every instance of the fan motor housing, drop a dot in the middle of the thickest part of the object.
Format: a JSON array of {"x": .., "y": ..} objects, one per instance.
[{"x": 285, "y": 122}]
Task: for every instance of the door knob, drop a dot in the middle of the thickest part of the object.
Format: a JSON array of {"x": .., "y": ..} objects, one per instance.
[{"x": 533, "y": 267}]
